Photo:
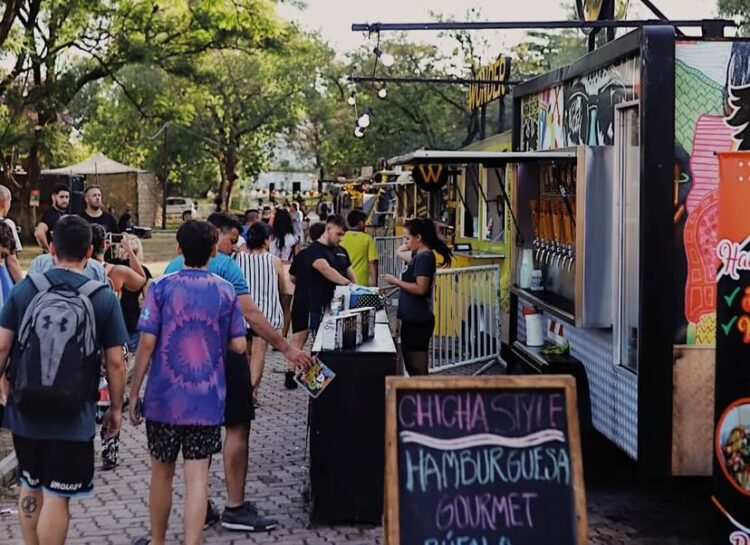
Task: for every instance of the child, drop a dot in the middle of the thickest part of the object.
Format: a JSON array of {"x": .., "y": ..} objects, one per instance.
[{"x": 186, "y": 322}]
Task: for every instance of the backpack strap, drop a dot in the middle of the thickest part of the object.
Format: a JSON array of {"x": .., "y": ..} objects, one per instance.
[
  {"x": 40, "y": 281},
  {"x": 90, "y": 287}
]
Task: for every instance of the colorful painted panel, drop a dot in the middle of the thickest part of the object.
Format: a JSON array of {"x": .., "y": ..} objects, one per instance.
[
  {"x": 712, "y": 110},
  {"x": 580, "y": 112}
]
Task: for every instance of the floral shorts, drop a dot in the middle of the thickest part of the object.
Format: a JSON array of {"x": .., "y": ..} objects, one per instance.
[{"x": 196, "y": 442}]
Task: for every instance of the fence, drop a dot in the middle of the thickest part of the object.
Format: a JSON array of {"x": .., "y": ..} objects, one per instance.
[
  {"x": 467, "y": 317},
  {"x": 388, "y": 263}
]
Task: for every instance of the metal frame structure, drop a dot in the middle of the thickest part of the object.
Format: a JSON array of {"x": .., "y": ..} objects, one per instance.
[{"x": 709, "y": 26}]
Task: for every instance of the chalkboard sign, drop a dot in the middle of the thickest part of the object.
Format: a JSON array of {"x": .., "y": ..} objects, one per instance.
[{"x": 483, "y": 461}]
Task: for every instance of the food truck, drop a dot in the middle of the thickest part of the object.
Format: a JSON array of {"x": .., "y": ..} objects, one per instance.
[{"x": 613, "y": 179}]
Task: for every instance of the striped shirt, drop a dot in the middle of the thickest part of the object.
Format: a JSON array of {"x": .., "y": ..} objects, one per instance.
[{"x": 262, "y": 279}]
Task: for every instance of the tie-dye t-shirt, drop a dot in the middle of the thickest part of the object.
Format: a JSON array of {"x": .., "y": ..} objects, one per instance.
[{"x": 193, "y": 314}]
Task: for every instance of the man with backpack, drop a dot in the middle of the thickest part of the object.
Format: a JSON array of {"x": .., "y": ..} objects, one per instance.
[{"x": 53, "y": 326}]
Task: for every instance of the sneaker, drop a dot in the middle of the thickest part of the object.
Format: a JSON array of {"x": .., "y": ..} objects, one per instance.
[
  {"x": 142, "y": 541},
  {"x": 212, "y": 515},
  {"x": 247, "y": 519},
  {"x": 289, "y": 382}
]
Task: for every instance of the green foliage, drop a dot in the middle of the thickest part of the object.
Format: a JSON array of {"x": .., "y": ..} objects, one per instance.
[
  {"x": 412, "y": 116},
  {"x": 225, "y": 108},
  {"x": 738, "y": 10}
]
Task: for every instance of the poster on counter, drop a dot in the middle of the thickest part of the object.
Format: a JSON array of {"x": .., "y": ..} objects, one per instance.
[{"x": 731, "y": 467}]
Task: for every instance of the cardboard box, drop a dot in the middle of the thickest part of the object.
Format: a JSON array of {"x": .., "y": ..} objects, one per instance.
[{"x": 368, "y": 321}]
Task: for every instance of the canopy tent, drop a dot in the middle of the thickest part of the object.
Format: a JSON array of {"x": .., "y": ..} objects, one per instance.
[
  {"x": 94, "y": 165},
  {"x": 121, "y": 185}
]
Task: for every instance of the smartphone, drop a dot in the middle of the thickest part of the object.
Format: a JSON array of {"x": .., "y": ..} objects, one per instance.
[
  {"x": 139, "y": 409},
  {"x": 114, "y": 238}
]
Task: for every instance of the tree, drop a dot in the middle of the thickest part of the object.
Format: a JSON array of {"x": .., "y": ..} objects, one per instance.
[
  {"x": 247, "y": 99},
  {"x": 542, "y": 51},
  {"x": 737, "y": 9},
  {"x": 65, "y": 45},
  {"x": 224, "y": 110},
  {"x": 109, "y": 120},
  {"x": 412, "y": 116}
]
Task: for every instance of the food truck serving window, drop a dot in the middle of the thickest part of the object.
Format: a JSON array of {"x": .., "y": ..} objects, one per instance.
[{"x": 471, "y": 201}]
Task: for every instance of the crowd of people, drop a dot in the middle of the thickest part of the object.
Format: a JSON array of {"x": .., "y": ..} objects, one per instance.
[{"x": 197, "y": 337}]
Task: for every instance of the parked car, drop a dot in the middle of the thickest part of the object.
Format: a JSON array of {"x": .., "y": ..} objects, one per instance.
[{"x": 176, "y": 206}]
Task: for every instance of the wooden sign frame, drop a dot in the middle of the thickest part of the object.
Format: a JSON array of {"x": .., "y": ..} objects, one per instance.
[{"x": 558, "y": 382}]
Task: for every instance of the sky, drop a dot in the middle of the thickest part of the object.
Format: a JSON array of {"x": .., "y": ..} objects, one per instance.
[{"x": 334, "y": 18}]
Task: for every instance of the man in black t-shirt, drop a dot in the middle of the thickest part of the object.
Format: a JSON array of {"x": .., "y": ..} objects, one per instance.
[
  {"x": 94, "y": 213},
  {"x": 330, "y": 267},
  {"x": 60, "y": 202}
]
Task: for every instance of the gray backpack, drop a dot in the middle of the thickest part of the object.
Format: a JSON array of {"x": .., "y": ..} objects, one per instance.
[{"x": 55, "y": 360}]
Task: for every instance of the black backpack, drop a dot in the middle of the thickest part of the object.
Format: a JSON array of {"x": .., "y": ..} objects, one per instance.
[{"x": 55, "y": 360}]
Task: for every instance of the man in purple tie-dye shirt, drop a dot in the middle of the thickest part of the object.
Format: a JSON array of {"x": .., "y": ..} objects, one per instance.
[{"x": 187, "y": 321}]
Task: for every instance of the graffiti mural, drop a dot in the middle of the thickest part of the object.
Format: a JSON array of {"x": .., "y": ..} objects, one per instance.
[
  {"x": 582, "y": 111},
  {"x": 551, "y": 119},
  {"x": 529, "y": 116},
  {"x": 712, "y": 111}
]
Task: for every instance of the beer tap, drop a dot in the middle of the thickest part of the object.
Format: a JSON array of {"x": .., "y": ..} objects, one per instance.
[{"x": 571, "y": 257}]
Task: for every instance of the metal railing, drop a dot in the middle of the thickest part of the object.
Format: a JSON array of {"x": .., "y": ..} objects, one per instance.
[
  {"x": 388, "y": 261},
  {"x": 467, "y": 317}
]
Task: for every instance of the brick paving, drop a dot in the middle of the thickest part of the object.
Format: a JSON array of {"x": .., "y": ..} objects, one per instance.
[
  {"x": 621, "y": 509},
  {"x": 118, "y": 510}
]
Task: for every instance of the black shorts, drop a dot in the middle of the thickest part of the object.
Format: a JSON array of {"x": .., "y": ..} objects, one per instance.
[
  {"x": 415, "y": 336},
  {"x": 300, "y": 316},
  {"x": 62, "y": 468},
  {"x": 238, "y": 407},
  {"x": 196, "y": 442},
  {"x": 316, "y": 317}
]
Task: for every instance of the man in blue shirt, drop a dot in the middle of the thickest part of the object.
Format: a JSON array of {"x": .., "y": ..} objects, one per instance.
[
  {"x": 56, "y": 453},
  {"x": 239, "y": 411}
]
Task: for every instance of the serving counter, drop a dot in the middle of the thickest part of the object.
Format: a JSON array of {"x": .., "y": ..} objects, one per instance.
[{"x": 347, "y": 432}]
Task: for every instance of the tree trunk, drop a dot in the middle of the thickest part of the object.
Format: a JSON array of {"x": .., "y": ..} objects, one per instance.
[
  {"x": 21, "y": 192},
  {"x": 228, "y": 177}
]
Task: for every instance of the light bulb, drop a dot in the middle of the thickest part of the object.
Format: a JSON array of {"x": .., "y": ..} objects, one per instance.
[
  {"x": 387, "y": 59},
  {"x": 358, "y": 132},
  {"x": 383, "y": 92},
  {"x": 351, "y": 100},
  {"x": 364, "y": 121}
]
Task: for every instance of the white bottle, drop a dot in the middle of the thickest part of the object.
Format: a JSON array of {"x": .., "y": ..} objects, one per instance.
[{"x": 526, "y": 269}]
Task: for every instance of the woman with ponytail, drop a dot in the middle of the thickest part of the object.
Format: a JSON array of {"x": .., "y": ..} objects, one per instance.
[{"x": 416, "y": 283}]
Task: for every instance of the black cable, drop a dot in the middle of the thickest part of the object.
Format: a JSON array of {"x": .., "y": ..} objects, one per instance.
[{"x": 506, "y": 198}]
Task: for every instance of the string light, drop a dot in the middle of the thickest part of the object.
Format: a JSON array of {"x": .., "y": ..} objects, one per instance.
[
  {"x": 364, "y": 121},
  {"x": 352, "y": 100},
  {"x": 382, "y": 92}
]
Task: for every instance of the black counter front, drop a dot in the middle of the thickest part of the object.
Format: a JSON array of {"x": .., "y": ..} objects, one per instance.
[{"x": 347, "y": 433}]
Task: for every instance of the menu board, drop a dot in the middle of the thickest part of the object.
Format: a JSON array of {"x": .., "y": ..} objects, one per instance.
[
  {"x": 483, "y": 461},
  {"x": 731, "y": 464}
]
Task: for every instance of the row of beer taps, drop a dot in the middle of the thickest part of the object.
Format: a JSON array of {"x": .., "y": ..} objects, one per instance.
[
  {"x": 548, "y": 252},
  {"x": 552, "y": 218}
]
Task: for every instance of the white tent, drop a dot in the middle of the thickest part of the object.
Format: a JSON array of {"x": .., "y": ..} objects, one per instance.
[
  {"x": 122, "y": 186},
  {"x": 94, "y": 165}
]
